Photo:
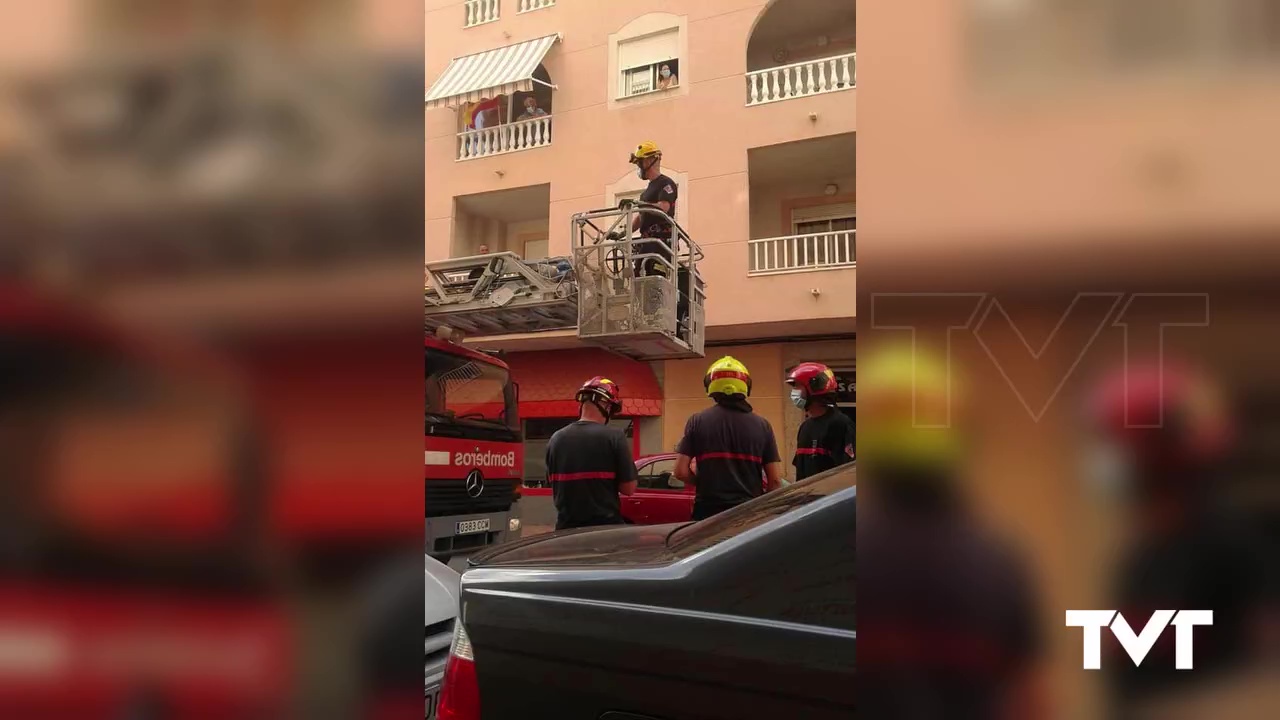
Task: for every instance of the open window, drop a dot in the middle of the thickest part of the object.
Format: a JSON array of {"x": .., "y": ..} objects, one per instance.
[{"x": 649, "y": 64}]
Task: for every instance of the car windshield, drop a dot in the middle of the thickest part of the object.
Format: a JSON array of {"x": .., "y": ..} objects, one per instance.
[
  {"x": 463, "y": 389},
  {"x": 701, "y": 535}
]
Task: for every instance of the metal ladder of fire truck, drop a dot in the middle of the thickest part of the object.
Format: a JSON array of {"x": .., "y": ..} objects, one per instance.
[{"x": 630, "y": 295}]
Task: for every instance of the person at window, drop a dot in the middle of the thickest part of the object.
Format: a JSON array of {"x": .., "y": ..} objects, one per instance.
[
  {"x": 477, "y": 272},
  {"x": 734, "y": 448},
  {"x": 826, "y": 436},
  {"x": 531, "y": 109},
  {"x": 667, "y": 78},
  {"x": 589, "y": 463}
]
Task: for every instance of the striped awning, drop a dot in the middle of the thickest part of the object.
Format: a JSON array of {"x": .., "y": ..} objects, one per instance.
[{"x": 503, "y": 71}]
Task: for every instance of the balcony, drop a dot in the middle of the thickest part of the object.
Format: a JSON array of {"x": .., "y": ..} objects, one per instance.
[
  {"x": 801, "y": 48},
  {"x": 503, "y": 99},
  {"x": 802, "y": 253},
  {"x": 512, "y": 137},
  {"x": 802, "y": 79},
  {"x": 510, "y": 220},
  {"x": 479, "y": 12},
  {"x": 803, "y": 209},
  {"x": 531, "y": 5}
]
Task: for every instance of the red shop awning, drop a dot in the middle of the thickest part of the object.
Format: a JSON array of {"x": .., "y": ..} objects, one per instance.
[{"x": 549, "y": 378}]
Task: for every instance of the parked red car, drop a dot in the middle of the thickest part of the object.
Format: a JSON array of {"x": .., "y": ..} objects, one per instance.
[{"x": 660, "y": 497}]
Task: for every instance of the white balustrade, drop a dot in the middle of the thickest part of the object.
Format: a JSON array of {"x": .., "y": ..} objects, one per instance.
[
  {"x": 530, "y": 5},
  {"x": 802, "y": 253},
  {"x": 481, "y": 11},
  {"x": 802, "y": 79},
  {"x": 511, "y": 137}
]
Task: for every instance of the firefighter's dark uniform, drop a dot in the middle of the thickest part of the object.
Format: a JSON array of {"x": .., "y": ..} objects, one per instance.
[
  {"x": 731, "y": 445},
  {"x": 947, "y": 614},
  {"x": 656, "y": 232},
  {"x": 654, "y": 228},
  {"x": 586, "y": 462},
  {"x": 824, "y": 442}
]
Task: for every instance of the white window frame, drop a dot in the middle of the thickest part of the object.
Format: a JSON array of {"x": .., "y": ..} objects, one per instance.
[
  {"x": 653, "y": 67},
  {"x": 821, "y": 213}
]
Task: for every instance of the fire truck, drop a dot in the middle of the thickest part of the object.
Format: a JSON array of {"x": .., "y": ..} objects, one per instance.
[
  {"x": 132, "y": 583},
  {"x": 474, "y": 454},
  {"x": 618, "y": 292}
]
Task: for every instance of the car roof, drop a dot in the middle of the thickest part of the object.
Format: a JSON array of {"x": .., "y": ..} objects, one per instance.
[{"x": 650, "y": 458}]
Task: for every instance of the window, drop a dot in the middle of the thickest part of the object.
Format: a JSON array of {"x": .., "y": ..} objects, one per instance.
[
  {"x": 536, "y": 249},
  {"x": 649, "y": 64},
  {"x": 649, "y": 78},
  {"x": 659, "y": 475},
  {"x": 634, "y": 196},
  {"x": 824, "y": 218}
]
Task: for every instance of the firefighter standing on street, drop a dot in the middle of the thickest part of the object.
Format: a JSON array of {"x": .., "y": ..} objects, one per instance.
[
  {"x": 948, "y": 615},
  {"x": 826, "y": 435},
  {"x": 589, "y": 463},
  {"x": 733, "y": 445}
]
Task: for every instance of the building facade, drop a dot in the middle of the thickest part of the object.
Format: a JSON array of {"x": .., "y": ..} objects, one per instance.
[{"x": 753, "y": 104}]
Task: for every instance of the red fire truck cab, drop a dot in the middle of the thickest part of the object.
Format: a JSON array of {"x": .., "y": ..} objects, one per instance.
[{"x": 474, "y": 456}]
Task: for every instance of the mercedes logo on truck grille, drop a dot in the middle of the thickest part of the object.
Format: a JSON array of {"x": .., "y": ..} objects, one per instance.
[{"x": 474, "y": 483}]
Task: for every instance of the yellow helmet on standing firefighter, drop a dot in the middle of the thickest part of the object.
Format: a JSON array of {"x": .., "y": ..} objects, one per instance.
[
  {"x": 727, "y": 376},
  {"x": 914, "y": 405}
]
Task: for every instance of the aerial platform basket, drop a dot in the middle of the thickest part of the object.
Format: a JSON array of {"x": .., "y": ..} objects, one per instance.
[
  {"x": 639, "y": 297},
  {"x": 643, "y": 298}
]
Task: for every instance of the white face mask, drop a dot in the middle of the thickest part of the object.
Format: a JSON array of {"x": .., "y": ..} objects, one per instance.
[
  {"x": 666, "y": 73},
  {"x": 798, "y": 399}
]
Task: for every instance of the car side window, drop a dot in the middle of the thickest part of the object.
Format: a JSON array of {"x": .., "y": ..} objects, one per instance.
[
  {"x": 660, "y": 475},
  {"x": 643, "y": 478}
]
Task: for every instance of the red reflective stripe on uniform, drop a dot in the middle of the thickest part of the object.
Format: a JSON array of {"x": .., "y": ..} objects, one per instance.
[
  {"x": 731, "y": 456},
  {"x": 812, "y": 451},
  {"x": 562, "y": 477}
]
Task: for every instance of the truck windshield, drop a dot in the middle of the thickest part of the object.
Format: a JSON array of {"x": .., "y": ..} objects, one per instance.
[{"x": 462, "y": 391}]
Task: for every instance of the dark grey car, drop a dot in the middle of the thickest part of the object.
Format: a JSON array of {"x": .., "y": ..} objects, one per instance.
[{"x": 749, "y": 614}]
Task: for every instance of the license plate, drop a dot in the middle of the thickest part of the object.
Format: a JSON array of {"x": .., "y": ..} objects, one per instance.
[
  {"x": 473, "y": 526},
  {"x": 433, "y": 700}
]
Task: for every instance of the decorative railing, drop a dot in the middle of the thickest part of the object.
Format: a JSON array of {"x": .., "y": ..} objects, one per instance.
[
  {"x": 480, "y": 12},
  {"x": 802, "y": 253},
  {"x": 511, "y": 137},
  {"x": 531, "y": 5},
  {"x": 802, "y": 79}
]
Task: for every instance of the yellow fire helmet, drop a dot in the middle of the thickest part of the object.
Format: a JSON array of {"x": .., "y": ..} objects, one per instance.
[
  {"x": 912, "y": 406},
  {"x": 646, "y": 149},
  {"x": 727, "y": 376}
]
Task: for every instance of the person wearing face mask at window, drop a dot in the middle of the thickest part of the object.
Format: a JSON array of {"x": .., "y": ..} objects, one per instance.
[
  {"x": 666, "y": 78},
  {"x": 827, "y": 435}
]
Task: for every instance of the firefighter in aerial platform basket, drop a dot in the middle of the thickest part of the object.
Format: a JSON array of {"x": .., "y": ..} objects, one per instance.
[{"x": 654, "y": 229}]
